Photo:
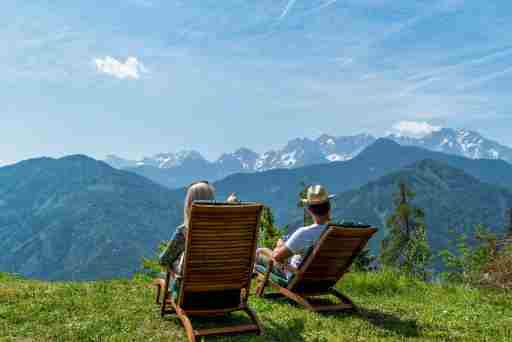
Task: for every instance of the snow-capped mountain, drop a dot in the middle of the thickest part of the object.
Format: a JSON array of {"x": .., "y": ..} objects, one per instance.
[
  {"x": 298, "y": 152},
  {"x": 171, "y": 160},
  {"x": 344, "y": 148},
  {"x": 466, "y": 143},
  {"x": 178, "y": 169},
  {"x": 242, "y": 159},
  {"x": 160, "y": 160},
  {"x": 119, "y": 163}
]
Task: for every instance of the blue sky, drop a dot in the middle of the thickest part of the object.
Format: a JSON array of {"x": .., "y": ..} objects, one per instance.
[{"x": 137, "y": 77}]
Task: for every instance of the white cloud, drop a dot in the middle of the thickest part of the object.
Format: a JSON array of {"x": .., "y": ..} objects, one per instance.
[
  {"x": 415, "y": 129},
  {"x": 132, "y": 68}
]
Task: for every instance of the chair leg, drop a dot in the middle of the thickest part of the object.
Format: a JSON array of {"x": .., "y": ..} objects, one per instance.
[
  {"x": 164, "y": 303},
  {"x": 187, "y": 325},
  {"x": 250, "y": 312},
  {"x": 338, "y": 294},
  {"x": 159, "y": 284},
  {"x": 298, "y": 299}
]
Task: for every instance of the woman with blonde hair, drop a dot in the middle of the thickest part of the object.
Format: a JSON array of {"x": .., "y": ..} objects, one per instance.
[{"x": 172, "y": 256}]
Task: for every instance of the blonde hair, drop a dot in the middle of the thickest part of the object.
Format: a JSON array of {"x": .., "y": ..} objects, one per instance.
[{"x": 200, "y": 191}]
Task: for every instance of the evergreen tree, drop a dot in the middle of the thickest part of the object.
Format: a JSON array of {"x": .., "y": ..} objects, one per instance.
[
  {"x": 508, "y": 223},
  {"x": 302, "y": 195},
  {"x": 269, "y": 233},
  {"x": 406, "y": 247}
]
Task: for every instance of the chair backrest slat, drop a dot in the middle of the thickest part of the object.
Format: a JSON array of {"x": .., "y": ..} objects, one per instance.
[
  {"x": 331, "y": 258},
  {"x": 219, "y": 253}
]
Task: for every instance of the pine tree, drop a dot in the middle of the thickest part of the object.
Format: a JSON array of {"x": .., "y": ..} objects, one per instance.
[
  {"x": 508, "y": 223},
  {"x": 406, "y": 247},
  {"x": 269, "y": 233},
  {"x": 303, "y": 195}
]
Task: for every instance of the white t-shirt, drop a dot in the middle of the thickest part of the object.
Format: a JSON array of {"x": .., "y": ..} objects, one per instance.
[{"x": 301, "y": 241}]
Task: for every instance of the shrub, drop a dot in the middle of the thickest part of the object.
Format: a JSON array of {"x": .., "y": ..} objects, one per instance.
[
  {"x": 498, "y": 272},
  {"x": 467, "y": 262}
]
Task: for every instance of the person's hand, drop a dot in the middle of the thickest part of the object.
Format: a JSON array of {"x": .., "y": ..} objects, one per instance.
[
  {"x": 279, "y": 243},
  {"x": 232, "y": 198}
]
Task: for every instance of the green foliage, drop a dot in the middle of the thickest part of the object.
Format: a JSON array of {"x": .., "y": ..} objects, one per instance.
[
  {"x": 308, "y": 220},
  {"x": 150, "y": 266},
  {"x": 406, "y": 247},
  {"x": 469, "y": 255},
  {"x": 269, "y": 233},
  {"x": 363, "y": 262}
]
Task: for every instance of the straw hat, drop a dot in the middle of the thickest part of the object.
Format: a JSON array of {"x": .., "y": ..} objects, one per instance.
[{"x": 317, "y": 194}]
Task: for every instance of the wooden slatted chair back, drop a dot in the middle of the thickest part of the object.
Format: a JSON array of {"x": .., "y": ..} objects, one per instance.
[
  {"x": 330, "y": 258},
  {"x": 219, "y": 254}
]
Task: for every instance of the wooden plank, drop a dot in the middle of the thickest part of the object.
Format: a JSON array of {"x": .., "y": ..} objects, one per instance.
[
  {"x": 212, "y": 287},
  {"x": 335, "y": 307},
  {"x": 238, "y": 329},
  {"x": 234, "y": 234},
  {"x": 222, "y": 239}
]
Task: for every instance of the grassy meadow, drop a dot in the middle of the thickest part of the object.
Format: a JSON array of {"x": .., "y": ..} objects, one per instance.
[{"x": 392, "y": 308}]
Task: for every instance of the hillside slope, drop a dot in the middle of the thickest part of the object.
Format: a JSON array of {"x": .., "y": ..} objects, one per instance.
[
  {"x": 389, "y": 310},
  {"x": 77, "y": 218},
  {"x": 450, "y": 198}
]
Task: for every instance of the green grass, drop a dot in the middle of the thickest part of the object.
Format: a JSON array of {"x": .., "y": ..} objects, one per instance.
[{"x": 392, "y": 308}]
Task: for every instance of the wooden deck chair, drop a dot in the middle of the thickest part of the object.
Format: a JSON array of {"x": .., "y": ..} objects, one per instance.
[
  {"x": 328, "y": 261},
  {"x": 217, "y": 268}
]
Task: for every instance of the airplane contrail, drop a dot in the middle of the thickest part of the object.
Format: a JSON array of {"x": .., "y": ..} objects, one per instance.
[
  {"x": 485, "y": 79},
  {"x": 418, "y": 85},
  {"x": 325, "y": 4},
  {"x": 287, "y": 9},
  {"x": 475, "y": 61}
]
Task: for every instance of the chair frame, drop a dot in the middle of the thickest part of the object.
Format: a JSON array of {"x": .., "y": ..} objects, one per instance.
[
  {"x": 169, "y": 306},
  {"x": 301, "y": 298}
]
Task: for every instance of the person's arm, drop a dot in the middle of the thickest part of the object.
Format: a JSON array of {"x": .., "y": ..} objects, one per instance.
[
  {"x": 286, "y": 249},
  {"x": 281, "y": 253},
  {"x": 174, "y": 248}
]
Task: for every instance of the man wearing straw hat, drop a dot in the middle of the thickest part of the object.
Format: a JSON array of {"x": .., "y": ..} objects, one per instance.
[{"x": 317, "y": 203}]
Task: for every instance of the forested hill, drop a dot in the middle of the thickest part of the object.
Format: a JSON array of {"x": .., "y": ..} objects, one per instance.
[
  {"x": 450, "y": 198},
  {"x": 78, "y": 218}
]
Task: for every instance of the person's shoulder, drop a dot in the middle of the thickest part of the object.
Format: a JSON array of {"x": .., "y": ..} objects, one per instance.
[
  {"x": 302, "y": 230},
  {"x": 311, "y": 226}
]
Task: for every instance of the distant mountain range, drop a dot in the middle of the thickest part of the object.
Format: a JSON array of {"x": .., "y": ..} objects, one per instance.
[
  {"x": 174, "y": 170},
  {"x": 279, "y": 188},
  {"x": 78, "y": 218}
]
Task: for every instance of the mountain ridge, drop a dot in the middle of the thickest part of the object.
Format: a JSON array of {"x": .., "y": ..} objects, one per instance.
[
  {"x": 189, "y": 165},
  {"x": 78, "y": 218}
]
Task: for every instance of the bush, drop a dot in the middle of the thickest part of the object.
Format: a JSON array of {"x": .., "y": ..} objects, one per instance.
[
  {"x": 269, "y": 233},
  {"x": 470, "y": 256},
  {"x": 498, "y": 272},
  {"x": 150, "y": 266}
]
